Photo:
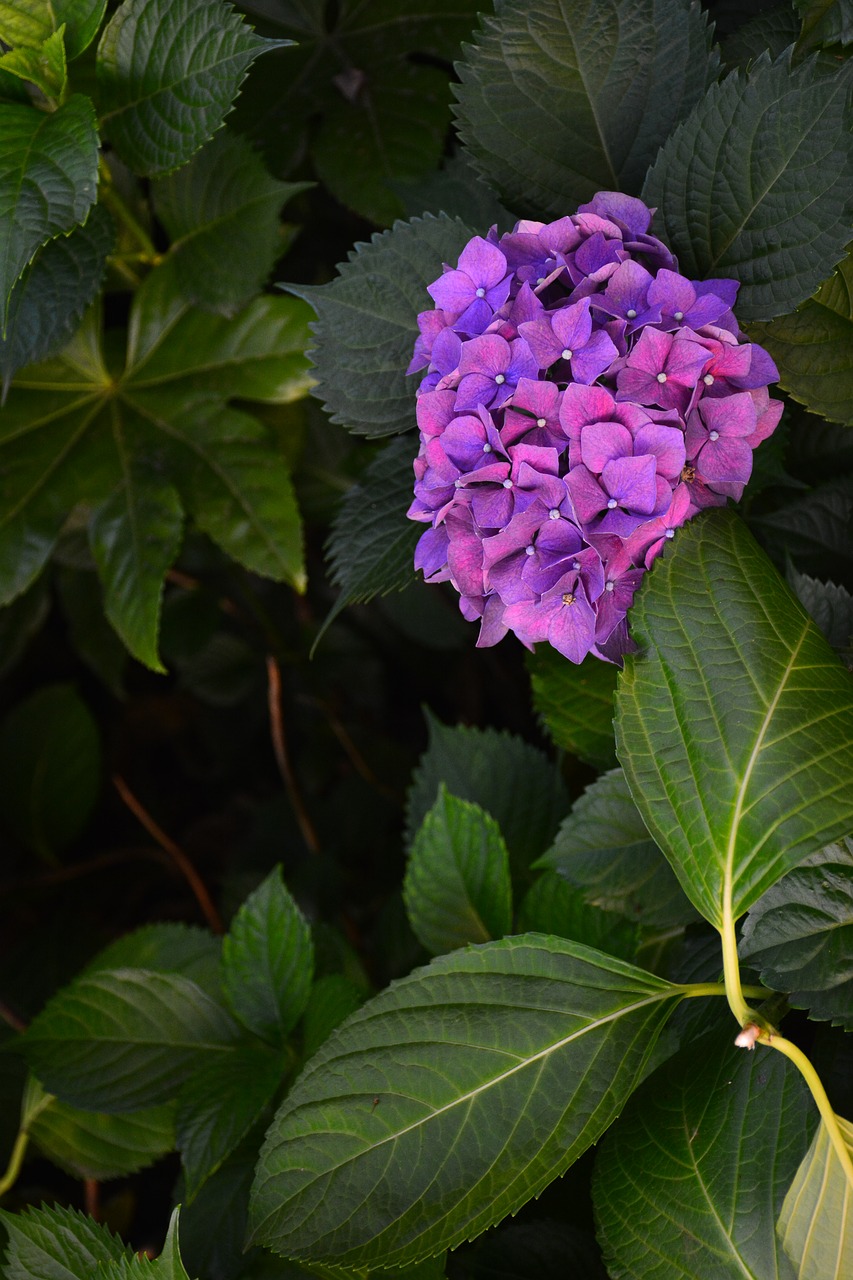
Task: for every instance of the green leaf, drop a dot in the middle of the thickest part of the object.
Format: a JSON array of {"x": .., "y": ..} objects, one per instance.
[
  {"x": 604, "y": 849},
  {"x": 825, "y": 22},
  {"x": 218, "y": 1106},
  {"x": 119, "y": 1040},
  {"x": 560, "y": 101},
  {"x": 165, "y": 948},
  {"x": 48, "y": 181},
  {"x": 813, "y": 347},
  {"x": 49, "y": 299},
  {"x": 368, "y": 323},
  {"x": 371, "y": 545},
  {"x": 268, "y": 961},
  {"x": 91, "y": 1144},
  {"x": 223, "y": 197},
  {"x": 552, "y": 905},
  {"x": 812, "y": 528},
  {"x": 771, "y": 31},
  {"x": 816, "y": 1222},
  {"x": 166, "y": 1266},
  {"x": 457, "y": 190},
  {"x": 43, "y": 66},
  {"x": 125, "y": 443},
  {"x": 30, "y": 22},
  {"x": 735, "y": 724},
  {"x": 469, "y": 1086},
  {"x": 333, "y": 998},
  {"x": 740, "y": 197},
  {"x": 50, "y": 762},
  {"x": 19, "y": 622},
  {"x": 576, "y": 704},
  {"x": 457, "y": 888},
  {"x": 58, "y": 1244},
  {"x": 512, "y": 781},
  {"x": 168, "y": 74},
  {"x": 830, "y": 605},
  {"x": 799, "y": 935},
  {"x": 690, "y": 1180}
]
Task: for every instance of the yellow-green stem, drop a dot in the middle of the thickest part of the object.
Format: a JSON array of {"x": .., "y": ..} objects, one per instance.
[
  {"x": 16, "y": 1159},
  {"x": 731, "y": 969},
  {"x": 813, "y": 1080},
  {"x": 691, "y": 989}
]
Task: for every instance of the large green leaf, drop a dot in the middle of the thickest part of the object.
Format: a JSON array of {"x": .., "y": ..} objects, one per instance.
[
  {"x": 770, "y": 31},
  {"x": 168, "y": 74},
  {"x": 368, "y": 323},
  {"x": 696, "y": 1169},
  {"x": 511, "y": 780},
  {"x": 223, "y": 197},
  {"x": 816, "y": 529},
  {"x": 58, "y": 1244},
  {"x": 145, "y": 445},
  {"x": 48, "y": 181},
  {"x": 268, "y": 961},
  {"x": 44, "y": 66},
  {"x": 799, "y": 935},
  {"x": 49, "y": 299},
  {"x": 50, "y": 763},
  {"x": 559, "y": 101},
  {"x": 735, "y": 723},
  {"x": 552, "y": 905},
  {"x": 825, "y": 22},
  {"x": 121, "y": 1039},
  {"x": 813, "y": 347},
  {"x": 816, "y": 1222},
  {"x": 741, "y": 196},
  {"x": 603, "y": 848},
  {"x": 831, "y": 606},
  {"x": 575, "y": 703},
  {"x": 457, "y": 888},
  {"x": 371, "y": 544},
  {"x": 452, "y": 1098},
  {"x": 30, "y": 22}
]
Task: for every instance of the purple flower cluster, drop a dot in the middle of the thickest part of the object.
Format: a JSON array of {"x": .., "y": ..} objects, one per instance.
[{"x": 582, "y": 399}]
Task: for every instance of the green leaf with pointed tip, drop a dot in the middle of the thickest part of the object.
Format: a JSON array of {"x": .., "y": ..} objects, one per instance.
[
  {"x": 43, "y": 66},
  {"x": 166, "y": 1266},
  {"x": 73, "y": 432},
  {"x": 222, "y": 197},
  {"x": 48, "y": 181},
  {"x": 268, "y": 961},
  {"x": 371, "y": 545},
  {"x": 218, "y": 1106},
  {"x": 575, "y": 702},
  {"x": 368, "y": 322},
  {"x": 511, "y": 780},
  {"x": 552, "y": 905},
  {"x": 688, "y": 1184},
  {"x": 30, "y": 22},
  {"x": 813, "y": 347},
  {"x": 58, "y": 1244},
  {"x": 735, "y": 722},
  {"x": 91, "y": 1144},
  {"x": 825, "y": 22},
  {"x": 168, "y": 74},
  {"x": 604, "y": 849},
  {"x": 469, "y": 1086},
  {"x": 616, "y": 75},
  {"x": 49, "y": 299},
  {"x": 799, "y": 935},
  {"x": 816, "y": 1222},
  {"x": 123, "y": 1039},
  {"x": 165, "y": 948},
  {"x": 50, "y": 762},
  {"x": 740, "y": 197},
  {"x": 457, "y": 888}
]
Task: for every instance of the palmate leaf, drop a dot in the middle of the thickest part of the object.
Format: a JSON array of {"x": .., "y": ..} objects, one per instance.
[
  {"x": 30, "y": 22},
  {"x": 575, "y": 704},
  {"x": 735, "y": 722},
  {"x": 168, "y": 74},
  {"x": 816, "y": 1222},
  {"x": 813, "y": 347},
  {"x": 151, "y": 443},
  {"x": 689, "y": 1183},
  {"x": 457, "y": 888},
  {"x": 799, "y": 935},
  {"x": 741, "y": 195},
  {"x": 368, "y": 322},
  {"x": 604, "y": 849},
  {"x": 48, "y": 181},
  {"x": 560, "y": 101},
  {"x": 466, "y": 1088}
]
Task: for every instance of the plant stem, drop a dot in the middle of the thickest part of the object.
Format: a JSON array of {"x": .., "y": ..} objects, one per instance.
[
  {"x": 16, "y": 1159},
  {"x": 731, "y": 969},
  {"x": 813, "y": 1080},
  {"x": 119, "y": 209},
  {"x": 691, "y": 989}
]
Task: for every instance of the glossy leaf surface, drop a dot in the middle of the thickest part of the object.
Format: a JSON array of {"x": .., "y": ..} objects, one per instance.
[
  {"x": 816, "y": 1222},
  {"x": 735, "y": 723},
  {"x": 29, "y": 22},
  {"x": 452, "y": 1098},
  {"x": 58, "y": 1244}
]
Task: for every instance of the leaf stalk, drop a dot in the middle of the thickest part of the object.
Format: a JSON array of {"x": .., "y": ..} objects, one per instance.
[{"x": 16, "y": 1159}]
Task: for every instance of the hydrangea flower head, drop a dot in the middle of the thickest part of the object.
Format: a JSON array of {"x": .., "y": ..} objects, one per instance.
[{"x": 582, "y": 399}]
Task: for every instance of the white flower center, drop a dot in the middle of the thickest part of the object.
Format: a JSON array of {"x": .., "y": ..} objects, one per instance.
[
  {"x": 566, "y": 353},
  {"x": 661, "y": 377},
  {"x": 529, "y": 550},
  {"x": 507, "y": 484},
  {"x": 611, "y": 503},
  {"x": 608, "y": 586},
  {"x": 554, "y": 514},
  {"x": 487, "y": 448},
  {"x": 631, "y": 314},
  {"x": 713, "y": 435},
  {"x": 500, "y": 379},
  {"x": 708, "y": 379},
  {"x": 669, "y": 533},
  {"x": 678, "y": 315},
  {"x": 541, "y": 422}
]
